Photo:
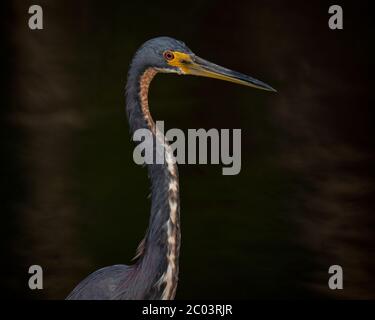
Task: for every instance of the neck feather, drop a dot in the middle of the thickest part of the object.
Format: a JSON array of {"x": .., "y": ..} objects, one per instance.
[{"x": 158, "y": 253}]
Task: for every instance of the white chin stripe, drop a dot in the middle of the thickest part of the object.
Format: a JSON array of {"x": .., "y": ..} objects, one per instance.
[{"x": 167, "y": 70}]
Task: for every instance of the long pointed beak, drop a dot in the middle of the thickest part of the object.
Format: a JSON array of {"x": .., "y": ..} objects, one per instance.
[{"x": 204, "y": 68}]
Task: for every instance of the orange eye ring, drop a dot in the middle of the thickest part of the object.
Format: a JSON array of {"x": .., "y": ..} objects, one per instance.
[{"x": 168, "y": 55}]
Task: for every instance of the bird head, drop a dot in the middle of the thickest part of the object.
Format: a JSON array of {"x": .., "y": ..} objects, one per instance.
[{"x": 169, "y": 55}]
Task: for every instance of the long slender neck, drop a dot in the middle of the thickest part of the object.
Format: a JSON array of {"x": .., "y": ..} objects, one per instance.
[{"x": 158, "y": 253}]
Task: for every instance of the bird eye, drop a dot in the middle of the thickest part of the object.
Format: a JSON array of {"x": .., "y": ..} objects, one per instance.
[{"x": 168, "y": 55}]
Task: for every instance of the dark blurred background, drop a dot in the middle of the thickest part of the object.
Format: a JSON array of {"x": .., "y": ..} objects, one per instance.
[{"x": 72, "y": 199}]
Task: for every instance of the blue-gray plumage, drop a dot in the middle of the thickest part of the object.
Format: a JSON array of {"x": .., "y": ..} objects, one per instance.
[{"x": 154, "y": 275}]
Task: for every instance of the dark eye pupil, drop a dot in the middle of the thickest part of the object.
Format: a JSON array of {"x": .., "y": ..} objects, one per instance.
[{"x": 169, "y": 55}]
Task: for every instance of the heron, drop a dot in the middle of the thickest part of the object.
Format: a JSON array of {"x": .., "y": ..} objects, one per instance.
[{"x": 154, "y": 274}]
